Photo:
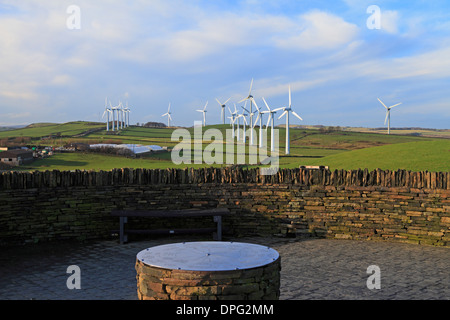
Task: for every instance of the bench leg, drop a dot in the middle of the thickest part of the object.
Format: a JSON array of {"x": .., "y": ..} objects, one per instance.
[
  {"x": 218, "y": 220},
  {"x": 123, "y": 236}
]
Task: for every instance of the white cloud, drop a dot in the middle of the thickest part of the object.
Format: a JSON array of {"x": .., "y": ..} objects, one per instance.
[
  {"x": 319, "y": 30},
  {"x": 389, "y": 21}
]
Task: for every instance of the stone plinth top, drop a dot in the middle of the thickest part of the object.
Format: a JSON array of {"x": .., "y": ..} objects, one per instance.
[{"x": 208, "y": 256}]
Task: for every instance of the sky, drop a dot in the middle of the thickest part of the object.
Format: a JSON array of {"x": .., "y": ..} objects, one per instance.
[{"x": 60, "y": 60}]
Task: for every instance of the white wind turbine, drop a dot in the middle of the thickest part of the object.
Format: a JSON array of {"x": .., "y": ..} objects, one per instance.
[
  {"x": 204, "y": 114},
  {"x": 270, "y": 120},
  {"x": 117, "y": 110},
  {"x": 388, "y": 114},
  {"x": 238, "y": 132},
  {"x": 168, "y": 114},
  {"x": 286, "y": 112},
  {"x": 223, "y": 105},
  {"x": 260, "y": 126},
  {"x": 244, "y": 115},
  {"x": 107, "y": 112},
  {"x": 127, "y": 115},
  {"x": 122, "y": 111},
  {"x": 251, "y": 113},
  {"x": 232, "y": 120},
  {"x": 113, "y": 110}
]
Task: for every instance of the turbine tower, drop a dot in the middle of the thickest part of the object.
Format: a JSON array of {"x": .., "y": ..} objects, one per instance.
[
  {"x": 388, "y": 114},
  {"x": 223, "y": 109},
  {"x": 271, "y": 120},
  {"x": 168, "y": 116},
  {"x": 252, "y": 101},
  {"x": 286, "y": 112},
  {"x": 204, "y": 114}
]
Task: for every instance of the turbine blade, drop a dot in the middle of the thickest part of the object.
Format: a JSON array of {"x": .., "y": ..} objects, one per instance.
[
  {"x": 395, "y": 105},
  {"x": 268, "y": 121},
  {"x": 250, "y": 91},
  {"x": 218, "y": 101},
  {"x": 387, "y": 115},
  {"x": 254, "y": 102},
  {"x": 295, "y": 114},
  {"x": 266, "y": 103},
  {"x": 256, "y": 121},
  {"x": 242, "y": 100},
  {"x": 282, "y": 115},
  {"x": 227, "y": 100},
  {"x": 289, "y": 96},
  {"x": 382, "y": 103}
]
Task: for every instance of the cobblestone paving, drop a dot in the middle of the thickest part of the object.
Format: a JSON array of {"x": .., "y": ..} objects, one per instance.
[{"x": 315, "y": 269}]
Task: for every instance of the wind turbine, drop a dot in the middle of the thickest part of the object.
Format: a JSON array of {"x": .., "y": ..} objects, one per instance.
[
  {"x": 107, "y": 112},
  {"x": 113, "y": 116},
  {"x": 252, "y": 101},
  {"x": 271, "y": 117},
  {"x": 232, "y": 119},
  {"x": 127, "y": 115},
  {"x": 223, "y": 108},
  {"x": 260, "y": 126},
  {"x": 204, "y": 114},
  {"x": 237, "y": 117},
  {"x": 168, "y": 116},
  {"x": 122, "y": 111},
  {"x": 117, "y": 110},
  {"x": 243, "y": 115},
  {"x": 286, "y": 112},
  {"x": 388, "y": 114}
]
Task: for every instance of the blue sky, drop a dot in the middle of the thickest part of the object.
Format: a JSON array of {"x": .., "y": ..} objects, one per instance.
[{"x": 152, "y": 53}]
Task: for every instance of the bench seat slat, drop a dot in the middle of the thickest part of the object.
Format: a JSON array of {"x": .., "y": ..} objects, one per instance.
[
  {"x": 169, "y": 231},
  {"x": 170, "y": 213}
]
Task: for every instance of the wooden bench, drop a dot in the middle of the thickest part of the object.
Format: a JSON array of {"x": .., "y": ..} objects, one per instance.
[{"x": 188, "y": 213}]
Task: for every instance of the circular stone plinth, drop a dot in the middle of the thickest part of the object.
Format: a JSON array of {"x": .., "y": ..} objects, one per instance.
[{"x": 208, "y": 270}]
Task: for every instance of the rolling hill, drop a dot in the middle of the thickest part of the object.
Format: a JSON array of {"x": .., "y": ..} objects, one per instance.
[{"x": 338, "y": 149}]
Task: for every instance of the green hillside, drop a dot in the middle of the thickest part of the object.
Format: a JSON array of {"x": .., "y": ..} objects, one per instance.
[
  {"x": 47, "y": 129},
  {"x": 414, "y": 156}
]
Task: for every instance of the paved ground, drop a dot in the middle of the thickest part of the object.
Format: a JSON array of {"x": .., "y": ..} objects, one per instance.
[{"x": 311, "y": 270}]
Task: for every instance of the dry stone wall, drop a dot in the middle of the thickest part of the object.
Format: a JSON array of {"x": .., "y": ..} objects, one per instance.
[{"x": 368, "y": 205}]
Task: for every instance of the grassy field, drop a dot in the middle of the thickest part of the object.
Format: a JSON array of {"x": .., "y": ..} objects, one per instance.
[
  {"x": 414, "y": 156},
  {"x": 309, "y": 146}
]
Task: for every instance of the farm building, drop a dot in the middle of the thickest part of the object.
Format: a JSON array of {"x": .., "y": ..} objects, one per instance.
[{"x": 16, "y": 157}]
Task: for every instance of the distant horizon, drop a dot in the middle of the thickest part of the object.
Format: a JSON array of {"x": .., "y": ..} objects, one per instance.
[{"x": 215, "y": 124}]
